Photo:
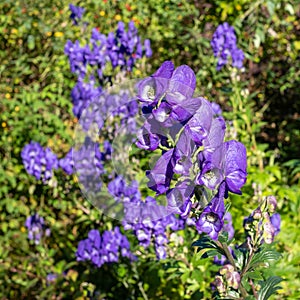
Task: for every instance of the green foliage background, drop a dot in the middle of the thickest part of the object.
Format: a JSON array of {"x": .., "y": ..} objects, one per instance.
[{"x": 35, "y": 85}]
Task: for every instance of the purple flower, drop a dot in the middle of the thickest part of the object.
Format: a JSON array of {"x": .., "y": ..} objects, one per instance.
[
  {"x": 211, "y": 219},
  {"x": 147, "y": 47},
  {"x": 83, "y": 95},
  {"x": 36, "y": 228},
  {"x": 235, "y": 166},
  {"x": 105, "y": 249},
  {"x": 67, "y": 163},
  {"x": 224, "y": 45},
  {"x": 146, "y": 139},
  {"x": 39, "y": 162},
  {"x": 88, "y": 163},
  {"x": 151, "y": 89},
  {"x": 31, "y": 155},
  {"x": 183, "y": 81},
  {"x": 51, "y": 277},
  {"x": 276, "y": 220},
  {"x": 199, "y": 125},
  {"x": 179, "y": 198},
  {"x": 76, "y": 13},
  {"x": 160, "y": 176}
]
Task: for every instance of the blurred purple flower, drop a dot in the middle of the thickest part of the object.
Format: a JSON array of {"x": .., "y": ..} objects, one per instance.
[
  {"x": 36, "y": 228},
  {"x": 224, "y": 45},
  {"x": 39, "y": 162},
  {"x": 76, "y": 13}
]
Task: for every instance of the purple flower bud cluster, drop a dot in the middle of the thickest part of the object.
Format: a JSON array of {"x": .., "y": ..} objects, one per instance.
[
  {"x": 76, "y": 13},
  {"x": 147, "y": 219},
  {"x": 228, "y": 278},
  {"x": 191, "y": 139},
  {"x": 224, "y": 45},
  {"x": 36, "y": 228},
  {"x": 263, "y": 224},
  {"x": 39, "y": 162},
  {"x": 121, "y": 49},
  {"x": 104, "y": 249}
]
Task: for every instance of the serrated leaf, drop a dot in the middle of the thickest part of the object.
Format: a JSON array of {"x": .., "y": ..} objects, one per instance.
[
  {"x": 269, "y": 287},
  {"x": 264, "y": 255},
  {"x": 255, "y": 275}
]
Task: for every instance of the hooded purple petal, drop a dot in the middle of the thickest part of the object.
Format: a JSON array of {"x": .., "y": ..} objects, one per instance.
[
  {"x": 165, "y": 70},
  {"x": 199, "y": 125},
  {"x": 235, "y": 166},
  {"x": 211, "y": 219},
  {"x": 160, "y": 176},
  {"x": 183, "y": 81}
]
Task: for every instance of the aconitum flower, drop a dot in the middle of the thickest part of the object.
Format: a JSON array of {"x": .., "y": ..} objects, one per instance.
[
  {"x": 211, "y": 219},
  {"x": 190, "y": 132},
  {"x": 83, "y": 94},
  {"x": 39, "y": 162},
  {"x": 147, "y": 47},
  {"x": 104, "y": 249},
  {"x": 160, "y": 176},
  {"x": 67, "y": 163},
  {"x": 235, "y": 166},
  {"x": 88, "y": 163},
  {"x": 36, "y": 228},
  {"x": 149, "y": 223},
  {"x": 276, "y": 220},
  {"x": 76, "y": 13},
  {"x": 179, "y": 198},
  {"x": 227, "y": 163},
  {"x": 224, "y": 46}
]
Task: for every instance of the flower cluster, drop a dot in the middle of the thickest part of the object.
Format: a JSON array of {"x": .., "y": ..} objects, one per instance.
[
  {"x": 190, "y": 137},
  {"x": 76, "y": 13},
  {"x": 88, "y": 162},
  {"x": 120, "y": 48},
  {"x": 39, "y": 162},
  {"x": 224, "y": 45},
  {"x": 96, "y": 110},
  {"x": 36, "y": 228},
  {"x": 147, "y": 219},
  {"x": 263, "y": 224},
  {"x": 104, "y": 249},
  {"x": 228, "y": 278}
]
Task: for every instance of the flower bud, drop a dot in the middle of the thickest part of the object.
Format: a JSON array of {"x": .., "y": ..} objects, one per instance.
[
  {"x": 232, "y": 277},
  {"x": 219, "y": 284},
  {"x": 257, "y": 215},
  {"x": 271, "y": 203},
  {"x": 268, "y": 230}
]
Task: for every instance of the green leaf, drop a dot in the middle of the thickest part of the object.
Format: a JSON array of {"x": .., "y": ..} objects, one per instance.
[
  {"x": 264, "y": 255},
  {"x": 240, "y": 258},
  {"x": 269, "y": 287},
  {"x": 271, "y": 7},
  {"x": 255, "y": 275},
  {"x": 223, "y": 237}
]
